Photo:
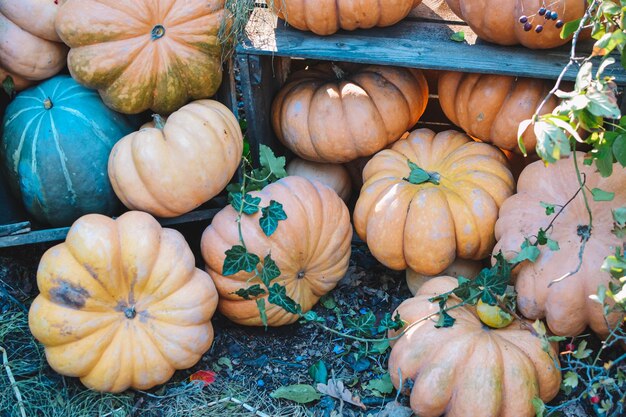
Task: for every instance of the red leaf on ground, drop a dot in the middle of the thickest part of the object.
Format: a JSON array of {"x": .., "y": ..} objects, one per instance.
[{"x": 208, "y": 377}]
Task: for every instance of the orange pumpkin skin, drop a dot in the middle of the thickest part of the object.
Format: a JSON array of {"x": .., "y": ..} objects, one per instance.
[
  {"x": 565, "y": 305},
  {"x": 144, "y": 54},
  {"x": 460, "y": 267},
  {"x": 170, "y": 171},
  {"x": 121, "y": 303},
  {"x": 491, "y": 107},
  {"x": 325, "y": 17},
  {"x": 425, "y": 227},
  {"x": 311, "y": 248},
  {"x": 334, "y": 176},
  {"x": 497, "y": 21},
  {"x": 324, "y": 114},
  {"x": 469, "y": 369},
  {"x": 29, "y": 46}
]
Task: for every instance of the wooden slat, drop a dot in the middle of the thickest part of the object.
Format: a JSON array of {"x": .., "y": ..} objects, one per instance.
[
  {"x": 434, "y": 10},
  {"x": 422, "y": 44},
  {"x": 51, "y": 235}
]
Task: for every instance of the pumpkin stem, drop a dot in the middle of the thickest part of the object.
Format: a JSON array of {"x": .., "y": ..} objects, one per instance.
[
  {"x": 301, "y": 274},
  {"x": 339, "y": 73},
  {"x": 159, "y": 123},
  {"x": 47, "y": 104},
  {"x": 130, "y": 312},
  {"x": 157, "y": 32}
]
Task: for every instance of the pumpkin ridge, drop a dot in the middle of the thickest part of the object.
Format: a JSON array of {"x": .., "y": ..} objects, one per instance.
[
  {"x": 124, "y": 10},
  {"x": 68, "y": 181},
  {"x": 295, "y": 194},
  {"x": 99, "y": 133},
  {"x": 17, "y": 154},
  {"x": 375, "y": 105}
]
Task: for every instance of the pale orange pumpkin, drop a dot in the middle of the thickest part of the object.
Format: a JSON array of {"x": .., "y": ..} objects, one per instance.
[
  {"x": 491, "y": 107},
  {"x": 565, "y": 304},
  {"x": 311, "y": 248},
  {"x": 30, "y": 48},
  {"x": 459, "y": 268},
  {"x": 426, "y": 226},
  {"x": 122, "y": 304},
  {"x": 144, "y": 54},
  {"x": 325, "y": 17},
  {"x": 469, "y": 369},
  {"x": 19, "y": 83},
  {"x": 498, "y": 21},
  {"x": 334, "y": 176},
  {"x": 332, "y": 114},
  {"x": 171, "y": 169}
]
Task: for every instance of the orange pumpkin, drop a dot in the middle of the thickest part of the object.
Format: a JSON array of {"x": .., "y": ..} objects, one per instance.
[
  {"x": 565, "y": 304},
  {"x": 469, "y": 369},
  {"x": 334, "y": 176},
  {"x": 498, "y": 21},
  {"x": 425, "y": 226},
  {"x": 171, "y": 169},
  {"x": 122, "y": 304},
  {"x": 30, "y": 48},
  {"x": 144, "y": 54},
  {"x": 325, "y": 17},
  {"x": 491, "y": 107},
  {"x": 311, "y": 248},
  {"x": 459, "y": 268},
  {"x": 329, "y": 114}
]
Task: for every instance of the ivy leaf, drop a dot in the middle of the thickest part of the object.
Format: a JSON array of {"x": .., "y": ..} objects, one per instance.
[
  {"x": 271, "y": 215},
  {"x": 276, "y": 165},
  {"x": 299, "y": 393},
  {"x": 388, "y": 323},
  {"x": 619, "y": 216},
  {"x": 458, "y": 36},
  {"x": 278, "y": 296},
  {"x": 549, "y": 208},
  {"x": 420, "y": 176},
  {"x": 250, "y": 204},
  {"x": 8, "y": 85},
  {"x": 260, "y": 303},
  {"x": 270, "y": 270},
  {"x": 239, "y": 259},
  {"x": 553, "y": 245},
  {"x": 319, "y": 372},
  {"x": 250, "y": 292},
  {"x": 601, "y": 195},
  {"x": 444, "y": 320},
  {"x": 312, "y": 316},
  {"x": 380, "y": 386},
  {"x": 528, "y": 252},
  {"x": 362, "y": 324}
]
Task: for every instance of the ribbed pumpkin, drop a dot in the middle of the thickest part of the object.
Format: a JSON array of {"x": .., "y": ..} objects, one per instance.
[
  {"x": 426, "y": 226},
  {"x": 55, "y": 144},
  {"x": 30, "y": 48},
  {"x": 334, "y": 176},
  {"x": 122, "y": 304},
  {"x": 498, "y": 21},
  {"x": 469, "y": 369},
  {"x": 491, "y": 107},
  {"x": 330, "y": 114},
  {"x": 325, "y": 17},
  {"x": 144, "y": 54},
  {"x": 173, "y": 168},
  {"x": 311, "y": 248},
  {"x": 566, "y": 304},
  {"x": 459, "y": 268}
]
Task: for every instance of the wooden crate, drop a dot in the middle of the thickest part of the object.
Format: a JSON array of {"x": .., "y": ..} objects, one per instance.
[
  {"x": 16, "y": 228},
  {"x": 422, "y": 40}
]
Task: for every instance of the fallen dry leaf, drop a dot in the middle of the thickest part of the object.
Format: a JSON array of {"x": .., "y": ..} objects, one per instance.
[{"x": 336, "y": 389}]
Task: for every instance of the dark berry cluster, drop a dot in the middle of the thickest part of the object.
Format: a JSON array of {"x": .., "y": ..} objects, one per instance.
[{"x": 547, "y": 14}]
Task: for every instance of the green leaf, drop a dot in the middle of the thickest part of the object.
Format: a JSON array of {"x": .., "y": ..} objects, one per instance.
[
  {"x": 523, "y": 126},
  {"x": 420, "y": 176},
  {"x": 8, "y": 86},
  {"x": 319, "y": 372},
  {"x": 250, "y": 292},
  {"x": 538, "y": 405},
  {"x": 278, "y": 296},
  {"x": 239, "y": 259},
  {"x": 458, "y": 36},
  {"x": 389, "y": 323},
  {"x": 528, "y": 252},
  {"x": 299, "y": 393},
  {"x": 569, "y": 28},
  {"x": 549, "y": 208},
  {"x": 362, "y": 323},
  {"x": 250, "y": 204},
  {"x": 584, "y": 76},
  {"x": 276, "y": 165},
  {"x": 601, "y": 195},
  {"x": 552, "y": 143},
  {"x": 270, "y": 270},
  {"x": 582, "y": 352},
  {"x": 380, "y": 347},
  {"x": 619, "y": 149},
  {"x": 570, "y": 379},
  {"x": 381, "y": 386},
  {"x": 444, "y": 320},
  {"x": 312, "y": 316},
  {"x": 260, "y": 303},
  {"x": 619, "y": 216},
  {"x": 328, "y": 301},
  {"x": 271, "y": 215},
  {"x": 603, "y": 105},
  {"x": 553, "y": 245}
]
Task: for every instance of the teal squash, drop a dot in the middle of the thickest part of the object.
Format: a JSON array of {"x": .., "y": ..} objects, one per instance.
[{"x": 55, "y": 143}]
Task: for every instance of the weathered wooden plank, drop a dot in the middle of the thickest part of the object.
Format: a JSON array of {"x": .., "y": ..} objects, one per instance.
[
  {"x": 14, "y": 228},
  {"x": 421, "y": 44},
  {"x": 434, "y": 10},
  {"x": 52, "y": 235}
]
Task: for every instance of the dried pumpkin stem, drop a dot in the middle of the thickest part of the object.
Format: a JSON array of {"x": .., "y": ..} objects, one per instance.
[
  {"x": 159, "y": 122},
  {"x": 18, "y": 394}
]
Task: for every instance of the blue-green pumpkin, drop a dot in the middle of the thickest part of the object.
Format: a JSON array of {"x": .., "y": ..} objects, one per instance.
[{"x": 55, "y": 143}]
